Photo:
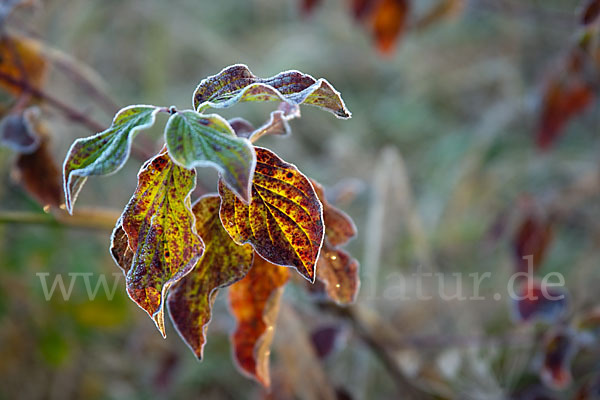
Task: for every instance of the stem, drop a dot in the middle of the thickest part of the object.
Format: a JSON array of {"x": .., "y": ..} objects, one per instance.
[
  {"x": 90, "y": 218},
  {"x": 71, "y": 113}
]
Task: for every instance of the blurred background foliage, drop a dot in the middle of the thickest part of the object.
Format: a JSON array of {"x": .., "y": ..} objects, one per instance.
[{"x": 438, "y": 167}]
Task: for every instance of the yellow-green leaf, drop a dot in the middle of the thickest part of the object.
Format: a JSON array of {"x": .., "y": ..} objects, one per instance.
[
  {"x": 237, "y": 84},
  {"x": 159, "y": 225},
  {"x": 106, "y": 152},
  {"x": 283, "y": 222},
  {"x": 197, "y": 140},
  {"x": 223, "y": 263}
]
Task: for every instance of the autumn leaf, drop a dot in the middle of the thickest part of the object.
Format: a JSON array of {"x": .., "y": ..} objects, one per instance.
[
  {"x": 388, "y": 20},
  {"x": 335, "y": 267},
  {"x": 308, "y": 6},
  {"x": 106, "y": 152},
  {"x": 538, "y": 302},
  {"x": 22, "y": 64},
  {"x": 339, "y": 272},
  {"x": 283, "y": 221},
  {"x": 161, "y": 234},
  {"x": 566, "y": 95},
  {"x": 531, "y": 242},
  {"x": 591, "y": 12},
  {"x": 222, "y": 264},
  {"x": 559, "y": 349},
  {"x": 237, "y": 84},
  {"x": 255, "y": 303},
  {"x": 339, "y": 227},
  {"x": 37, "y": 171},
  {"x": 197, "y": 140},
  {"x": 242, "y": 127},
  {"x": 18, "y": 133},
  {"x": 119, "y": 248},
  {"x": 277, "y": 124}
]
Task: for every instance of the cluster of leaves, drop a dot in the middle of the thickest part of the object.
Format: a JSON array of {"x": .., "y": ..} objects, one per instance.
[
  {"x": 574, "y": 85},
  {"x": 386, "y": 20},
  {"x": 266, "y": 216}
]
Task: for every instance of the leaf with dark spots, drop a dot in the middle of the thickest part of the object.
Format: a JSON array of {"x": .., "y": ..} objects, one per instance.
[
  {"x": 222, "y": 264},
  {"x": 21, "y": 60},
  {"x": 283, "y": 221},
  {"x": 339, "y": 272},
  {"x": 237, "y": 84},
  {"x": 106, "y": 152},
  {"x": 197, "y": 140},
  {"x": 531, "y": 242},
  {"x": 591, "y": 12},
  {"x": 339, "y": 227},
  {"x": 254, "y": 303},
  {"x": 559, "y": 349},
  {"x": 161, "y": 232},
  {"x": 18, "y": 133},
  {"x": 387, "y": 21}
]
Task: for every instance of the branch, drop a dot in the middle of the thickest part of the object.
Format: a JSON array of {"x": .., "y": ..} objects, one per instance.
[
  {"x": 90, "y": 218},
  {"x": 71, "y": 113}
]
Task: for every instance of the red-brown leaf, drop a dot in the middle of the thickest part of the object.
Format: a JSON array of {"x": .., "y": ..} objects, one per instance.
[
  {"x": 255, "y": 303},
  {"x": 591, "y": 12},
  {"x": 339, "y": 272},
  {"x": 532, "y": 239}
]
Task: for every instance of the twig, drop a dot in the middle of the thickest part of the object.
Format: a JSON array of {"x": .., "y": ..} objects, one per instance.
[
  {"x": 71, "y": 113},
  {"x": 91, "y": 218},
  {"x": 83, "y": 76}
]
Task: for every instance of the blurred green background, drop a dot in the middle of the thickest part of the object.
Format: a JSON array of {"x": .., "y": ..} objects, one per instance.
[{"x": 439, "y": 151}]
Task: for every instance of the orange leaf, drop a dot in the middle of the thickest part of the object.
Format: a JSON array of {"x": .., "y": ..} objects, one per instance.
[
  {"x": 283, "y": 221},
  {"x": 21, "y": 59},
  {"x": 388, "y": 21},
  {"x": 255, "y": 303}
]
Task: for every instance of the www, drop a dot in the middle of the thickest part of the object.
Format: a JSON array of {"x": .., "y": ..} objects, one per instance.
[{"x": 66, "y": 293}]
